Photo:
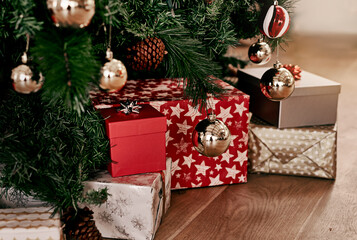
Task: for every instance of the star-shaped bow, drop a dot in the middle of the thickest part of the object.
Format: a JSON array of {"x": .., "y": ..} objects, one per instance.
[{"x": 128, "y": 107}]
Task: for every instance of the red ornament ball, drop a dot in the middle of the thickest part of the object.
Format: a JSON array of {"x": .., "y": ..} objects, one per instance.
[{"x": 274, "y": 22}]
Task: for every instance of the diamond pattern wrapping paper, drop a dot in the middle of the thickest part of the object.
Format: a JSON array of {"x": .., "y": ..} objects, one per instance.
[
  {"x": 304, "y": 151},
  {"x": 29, "y": 223},
  {"x": 189, "y": 168},
  {"x": 135, "y": 206}
]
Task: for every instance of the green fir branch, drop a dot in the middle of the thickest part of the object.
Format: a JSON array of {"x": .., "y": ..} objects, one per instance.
[
  {"x": 187, "y": 59},
  {"x": 48, "y": 152},
  {"x": 67, "y": 62}
]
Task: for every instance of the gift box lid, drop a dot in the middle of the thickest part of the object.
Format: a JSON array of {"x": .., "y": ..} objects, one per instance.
[
  {"x": 310, "y": 84},
  {"x": 155, "y": 91},
  {"x": 147, "y": 121}
]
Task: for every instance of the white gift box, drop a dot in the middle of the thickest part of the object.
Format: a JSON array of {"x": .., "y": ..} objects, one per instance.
[
  {"x": 135, "y": 205},
  {"x": 17, "y": 199},
  {"x": 29, "y": 224},
  {"x": 313, "y": 102}
]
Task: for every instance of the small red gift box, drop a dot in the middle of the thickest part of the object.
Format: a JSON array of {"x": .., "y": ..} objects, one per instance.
[{"x": 137, "y": 141}]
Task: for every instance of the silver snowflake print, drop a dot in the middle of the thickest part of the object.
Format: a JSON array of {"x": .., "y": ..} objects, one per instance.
[
  {"x": 122, "y": 231},
  {"x": 137, "y": 223},
  {"x": 105, "y": 217}
]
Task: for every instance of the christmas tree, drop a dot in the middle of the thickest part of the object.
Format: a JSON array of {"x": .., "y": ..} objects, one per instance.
[{"x": 51, "y": 140}]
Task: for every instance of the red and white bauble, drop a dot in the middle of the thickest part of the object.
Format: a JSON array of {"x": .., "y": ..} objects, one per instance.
[{"x": 275, "y": 22}]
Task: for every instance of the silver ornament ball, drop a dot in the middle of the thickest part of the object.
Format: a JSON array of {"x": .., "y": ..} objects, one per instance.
[
  {"x": 259, "y": 52},
  {"x": 277, "y": 83},
  {"x": 71, "y": 13},
  {"x": 211, "y": 137},
  {"x": 114, "y": 76},
  {"x": 23, "y": 81}
]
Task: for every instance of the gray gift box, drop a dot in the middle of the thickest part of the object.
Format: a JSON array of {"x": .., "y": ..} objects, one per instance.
[{"x": 313, "y": 102}]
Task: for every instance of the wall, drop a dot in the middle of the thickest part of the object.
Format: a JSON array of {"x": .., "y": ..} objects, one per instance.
[{"x": 325, "y": 16}]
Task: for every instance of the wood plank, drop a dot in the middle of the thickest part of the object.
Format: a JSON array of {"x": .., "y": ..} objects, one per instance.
[
  {"x": 267, "y": 207},
  {"x": 185, "y": 206}
]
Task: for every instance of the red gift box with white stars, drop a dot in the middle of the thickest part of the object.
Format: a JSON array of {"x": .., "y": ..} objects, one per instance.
[{"x": 189, "y": 168}]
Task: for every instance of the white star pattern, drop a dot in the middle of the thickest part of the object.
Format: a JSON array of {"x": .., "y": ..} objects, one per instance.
[
  {"x": 224, "y": 114},
  {"x": 226, "y": 156},
  {"x": 169, "y": 122},
  {"x": 130, "y": 95},
  {"x": 229, "y": 123},
  {"x": 232, "y": 172},
  {"x": 202, "y": 168},
  {"x": 181, "y": 146},
  {"x": 242, "y": 157},
  {"x": 188, "y": 160},
  {"x": 240, "y": 108},
  {"x": 161, "y": 87},
  {"x": 175, "y": 167},
  {"x": 165, "y": 112},
  {"x": 242, "y": 178},
  {"x": 218, "y": 167},
  {"x": 163, "y": 94},
  {"x": 157, "y": 104},
  {"x": 176, "y": 110},
  {"x": 198, "y": 179},
  {"x": 215, "y": 181},
  {"x": 233, "y": 137},
  {"x": 168, "y": 138},
  {"x": 244, "y": 137},
  {"x": 196, "y": 185},
  {"x": 183, "y": 127},
  {"x": 192, "y": 112}
]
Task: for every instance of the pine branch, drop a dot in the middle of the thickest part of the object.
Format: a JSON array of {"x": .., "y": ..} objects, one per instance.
[
  {"x": 65, "y": 58},
  {"x": 47, "y": 152},
  {"x": 186, "y": 59}
]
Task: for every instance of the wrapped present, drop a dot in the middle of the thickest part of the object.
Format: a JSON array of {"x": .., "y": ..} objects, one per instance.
[
  {"x": 135, "y": 206},
  {"x": 313, "y": 102},
  {"x": 17, "y": 199},
  {"x": 29, "y": 223},
  {"x": 191, "y": 169},
  {"x": 304, "y": 151},
  {"x": 137, "y": 140}
]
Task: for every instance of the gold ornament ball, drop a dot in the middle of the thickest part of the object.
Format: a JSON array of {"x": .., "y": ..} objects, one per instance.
[
  {"x": 22, "y": 80},
  {"x": 211, "y": 137},
  {"x": 277, "y": 83},
  {"x": 114, "y": 76},
  {"x": 259, "y": 53},
  {"x": 71, "y": 13}
]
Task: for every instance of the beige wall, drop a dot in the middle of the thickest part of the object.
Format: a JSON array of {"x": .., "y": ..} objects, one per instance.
[{"x": 325, "y": 16}]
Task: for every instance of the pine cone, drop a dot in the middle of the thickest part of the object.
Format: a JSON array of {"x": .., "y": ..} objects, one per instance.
[
  {"x": 146, "y": 55},
  {"x": 80, "y": 225}
]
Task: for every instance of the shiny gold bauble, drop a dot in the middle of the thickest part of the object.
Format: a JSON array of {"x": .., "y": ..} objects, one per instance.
[
  {"x": 23, "y": 81},
  {"x": 71, "y": 13},
  {"x": 114, "y": 76},
  {"x": 259, "y": 52},
  {"x": 211, "y": 137},
  {"x": 277, "y": 83}
]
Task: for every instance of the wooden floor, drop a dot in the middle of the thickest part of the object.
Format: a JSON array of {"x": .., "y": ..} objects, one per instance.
[{"x": 285, "y": 207}]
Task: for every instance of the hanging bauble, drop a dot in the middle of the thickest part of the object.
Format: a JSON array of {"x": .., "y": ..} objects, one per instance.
[
  {"x": 22, "y": 78},
  {"x": 114, "y": 74},
  {"x": 275, "y": 22},
  {"x": 259, "y": 52},
  {"x": 294, "y": 69},
  {"x": 71, "y": 13},
  {"x": 211, "y": 137},
  {"x": 146, "y": 55},
  {"x": 277, "y": 83}
]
